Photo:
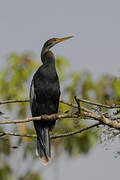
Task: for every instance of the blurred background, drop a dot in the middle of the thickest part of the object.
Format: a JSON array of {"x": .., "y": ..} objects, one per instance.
[{"x": 88, "y": 66}]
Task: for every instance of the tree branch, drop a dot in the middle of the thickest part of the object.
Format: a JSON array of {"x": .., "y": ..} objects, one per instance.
[
  {"x": 27, "y": 100},
  {"x": 78, "y": 104},
  {"x": 53, "y": 136},
  {"x": 86, "y": 114},
  {"x": 97, "y": 104},
  {"x": 75, "y": 132},
  {"x": 13, "y": 101},
  {"x": 45, "y": 117},
  {"x": 64, "y": 102},
  {"x": 92, "y": 115}
]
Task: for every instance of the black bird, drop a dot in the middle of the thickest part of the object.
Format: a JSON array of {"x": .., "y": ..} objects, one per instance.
[{"x": 44, "y": 98}]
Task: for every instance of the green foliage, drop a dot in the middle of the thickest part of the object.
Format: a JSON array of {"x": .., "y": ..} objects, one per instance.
[
  {"x": 5, "y": 173},
  {"x": 79, "y": 143},
  {"x": 31, "y": 176},
  {"x": 14, "y": 82},
  {"x": 13, "y": 79},
  {"x": 5, "y": 146}
]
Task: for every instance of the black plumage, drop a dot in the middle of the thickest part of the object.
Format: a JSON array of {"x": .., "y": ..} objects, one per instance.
[{"x": 44, "y": 98}]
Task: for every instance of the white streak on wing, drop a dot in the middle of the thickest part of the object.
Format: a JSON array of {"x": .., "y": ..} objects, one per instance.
[
  {"x": 32, "y": 93},
  {"x": 36, "y": 151}
]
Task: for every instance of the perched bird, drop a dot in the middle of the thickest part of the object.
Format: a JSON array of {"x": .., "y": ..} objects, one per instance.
[{"x": 44, "y": 98}]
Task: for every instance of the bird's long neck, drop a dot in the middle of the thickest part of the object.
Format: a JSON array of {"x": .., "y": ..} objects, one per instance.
[{"x": 47, "y": 56}]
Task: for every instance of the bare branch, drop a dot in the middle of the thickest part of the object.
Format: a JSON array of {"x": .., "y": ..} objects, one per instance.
[
  {"x": 86, "y": 114},
  {"x": 75, "y": 132},
  {"x": 27, "y": 100},
  {"x": 97, "y": 104},
  {"x": 45, "y": 117},
  {"x": 102, "y": 119},
  {"x": 67, "y": 103},
  {"x": 53, "y": 136},
  {"x": 74, "y": 106},
  {"x": 78, "y": 104},
  {"x": 13, "y": 101}
]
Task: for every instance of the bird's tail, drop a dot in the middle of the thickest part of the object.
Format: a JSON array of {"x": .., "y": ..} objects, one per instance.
[{"x": 43, "y": 145}]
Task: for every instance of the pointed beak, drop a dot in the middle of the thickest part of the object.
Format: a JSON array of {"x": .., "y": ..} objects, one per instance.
[{"x": 63, "y": 39}]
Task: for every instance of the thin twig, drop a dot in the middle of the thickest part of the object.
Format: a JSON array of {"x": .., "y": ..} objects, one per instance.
[
  {"x": 67, "y": 103},
  {"x": 75, "y": 106},
  {"x": 97, "y": 104},
  {"x": 53, "y": 136},
  {"x": 27, "y": 100},
  {"x": 78, "y": 104},
  {"x": 13, "y": 101},
  {"x": 75, "y": 132}
]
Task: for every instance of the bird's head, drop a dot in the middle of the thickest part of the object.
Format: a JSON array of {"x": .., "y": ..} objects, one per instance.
[{"x": 51, "y": 42}]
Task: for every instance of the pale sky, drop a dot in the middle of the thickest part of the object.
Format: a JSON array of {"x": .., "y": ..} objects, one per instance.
[{"x": 95, "y": 24}]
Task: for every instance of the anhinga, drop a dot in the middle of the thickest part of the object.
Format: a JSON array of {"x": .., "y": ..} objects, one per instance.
[{"x": 44, "y": 98}]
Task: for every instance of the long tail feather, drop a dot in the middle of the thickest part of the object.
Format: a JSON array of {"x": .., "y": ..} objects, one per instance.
[{"x": 43, "y": 145}]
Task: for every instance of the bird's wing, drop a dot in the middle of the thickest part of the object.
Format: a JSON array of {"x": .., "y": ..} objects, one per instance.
[{"x": 42, "y": 99}]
